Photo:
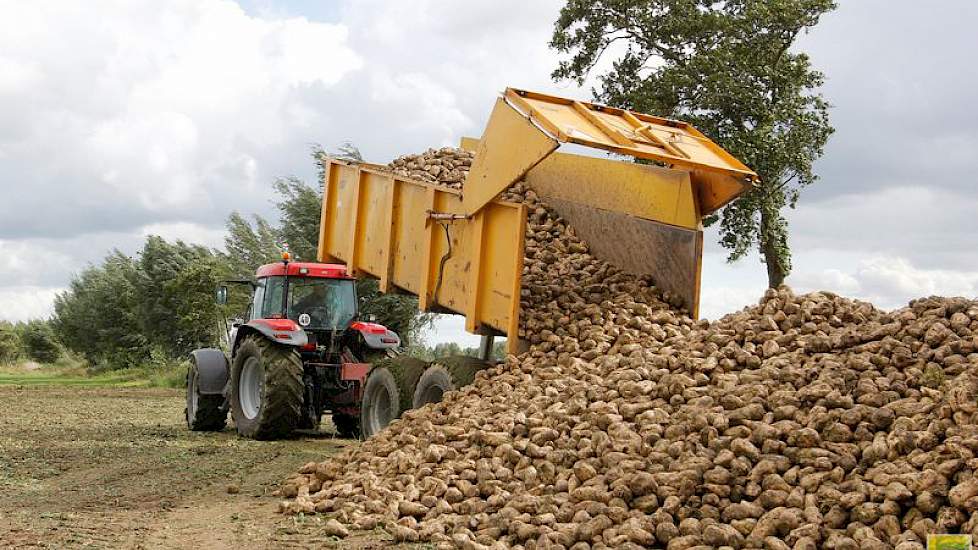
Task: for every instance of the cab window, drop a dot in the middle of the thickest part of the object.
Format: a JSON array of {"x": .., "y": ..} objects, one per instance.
[{"x": 272, "y": 299}]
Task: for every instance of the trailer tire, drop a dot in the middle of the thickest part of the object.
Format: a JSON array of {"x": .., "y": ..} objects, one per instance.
[
  {"x": 274, "y": 409},
  {"x": 204, "y": 413},
  {"x": 381, "y": 402},
  {"x": 445, "y": 375},
  {"x": 346, "y": 425},
  {"x": 407, "y": 372}
]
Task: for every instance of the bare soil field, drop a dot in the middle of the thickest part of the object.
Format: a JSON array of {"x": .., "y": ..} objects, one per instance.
[{"x": 88, "y": 467}]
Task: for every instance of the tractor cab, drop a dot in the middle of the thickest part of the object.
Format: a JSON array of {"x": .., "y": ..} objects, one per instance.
[
  {"x": 300, "y": 301},
  {"x": 319, "y": 297},
  {"x": 313, "y": 306}
]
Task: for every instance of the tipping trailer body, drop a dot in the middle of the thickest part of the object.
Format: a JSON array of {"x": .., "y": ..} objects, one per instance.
[{"x": 462, "y": 251}]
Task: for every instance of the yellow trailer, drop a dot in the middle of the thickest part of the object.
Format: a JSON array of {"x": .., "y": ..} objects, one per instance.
[{"x": 462, "y": 251}]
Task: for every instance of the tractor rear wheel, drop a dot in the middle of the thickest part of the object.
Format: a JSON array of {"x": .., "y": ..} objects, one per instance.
[
  {"x": 445, "y": 375},
  {"x": 266, "y": 389},
  {"x": 204, "y": 413}
]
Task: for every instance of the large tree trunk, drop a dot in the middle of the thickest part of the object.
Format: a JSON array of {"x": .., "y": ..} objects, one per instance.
[{"x": 769, "y": 247}]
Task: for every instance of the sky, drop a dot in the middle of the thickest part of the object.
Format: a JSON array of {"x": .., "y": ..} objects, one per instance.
[{"x": 121, "y": 119}]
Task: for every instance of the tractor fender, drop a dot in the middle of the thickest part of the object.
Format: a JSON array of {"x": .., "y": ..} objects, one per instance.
[
  {"x": 377, "y": 336},
  {"x": 282, "y": 331},
  {"x": 212, "y": 371}
]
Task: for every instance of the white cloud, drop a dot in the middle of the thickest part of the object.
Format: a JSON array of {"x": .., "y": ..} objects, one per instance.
[
  {"x": 827, "y": 279},
  {"x": 449, "y": 328},
  {"x": 890, "y": 282},
  {"x": 23, "y": 303},
  {"x": 928, "y": 224},
  {"x": 190, "y": 233},
  {"x": 894, "y": 281},
  {"x": 26, "y": 263},
  {"x": 148, "y": 112}
]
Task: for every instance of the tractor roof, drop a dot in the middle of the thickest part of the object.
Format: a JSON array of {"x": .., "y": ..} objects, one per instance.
[{"x": 304, "y": 269}]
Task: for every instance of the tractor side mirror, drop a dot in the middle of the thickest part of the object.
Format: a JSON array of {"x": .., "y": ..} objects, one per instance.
[{"x": 222, "y": 295}]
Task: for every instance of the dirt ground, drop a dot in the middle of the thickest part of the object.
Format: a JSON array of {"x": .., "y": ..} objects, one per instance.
[{"x": 117, "y": 468}]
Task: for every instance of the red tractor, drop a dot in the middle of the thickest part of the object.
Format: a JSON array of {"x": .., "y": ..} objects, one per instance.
[{"x": 300, "y": 351}]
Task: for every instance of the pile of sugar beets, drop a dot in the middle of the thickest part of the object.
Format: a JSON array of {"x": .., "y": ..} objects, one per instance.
[
  {"x": 805, "y": 422},
  {"x": 446, "y": 166}
]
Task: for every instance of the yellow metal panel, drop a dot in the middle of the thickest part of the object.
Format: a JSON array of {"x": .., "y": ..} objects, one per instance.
[
  {"x": 513, "y": 342},
  {"x": 388, "y": 227},
  {"x": 476, "y": 237},
  {"x": 502, "y": 267},
  {"x": 469, "y": 144},
  {"x": 356, "y": 228},
  {"x": 339, "y": 223},
  {"x": 324, "y": 216},
  {"x": 675, "y": 143},
  {"x": 429, "y": 254},
  {"x": 509, "y": 147},
  {"x": 409, "y": 231},
  {"x": 451, "y": 253},
  {"x": 644, "y": 217},
  {"x": 371, "y": 236},
  {"x": 479, "y": 275},
  {"x": 649, "y": 192}
]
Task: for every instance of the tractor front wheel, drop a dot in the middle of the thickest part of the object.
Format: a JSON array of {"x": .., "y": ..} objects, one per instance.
[
  {"x": 204, "y": 413},
  {"x": 266, "y": 389}
]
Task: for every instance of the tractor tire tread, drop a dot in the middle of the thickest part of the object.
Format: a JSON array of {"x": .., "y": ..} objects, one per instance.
[
  {"x": 210, "y": 417},
  {"x": 282, "y": 366},
  {"x": 366, "y": 409}
]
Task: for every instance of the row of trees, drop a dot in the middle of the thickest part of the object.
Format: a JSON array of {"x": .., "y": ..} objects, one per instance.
[
  {"x": 158, "y": 305},
  {"x": 33, "y": 340}
]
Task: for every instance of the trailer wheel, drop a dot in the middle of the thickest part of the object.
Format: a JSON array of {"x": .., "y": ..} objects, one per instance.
[
  {"x": 407, "y": 372},
  {"x": 204, "y": 413},
  {"x": 400, "y": 373},
  {"x": 347, "y": 425},
  {"x": 445, "y": 375},
  {"x": 381, "y": 403},
  {"x": 266, "y": 389}
]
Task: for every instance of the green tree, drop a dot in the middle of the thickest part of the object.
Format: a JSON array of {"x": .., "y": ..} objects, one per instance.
[
  {"x": 125, "y": 312},
  {"x": 250, "y": 245},
  {"x": 98, "y": 316},
  {"x": 447, "y": 349},
  {"x": 299, "y": 207},
  {"x": 175, "y": 285},
  {"x": 39, "y": 342},
  {"x": 10, "y": 347},
  {"x": 729, "y": 69}
]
